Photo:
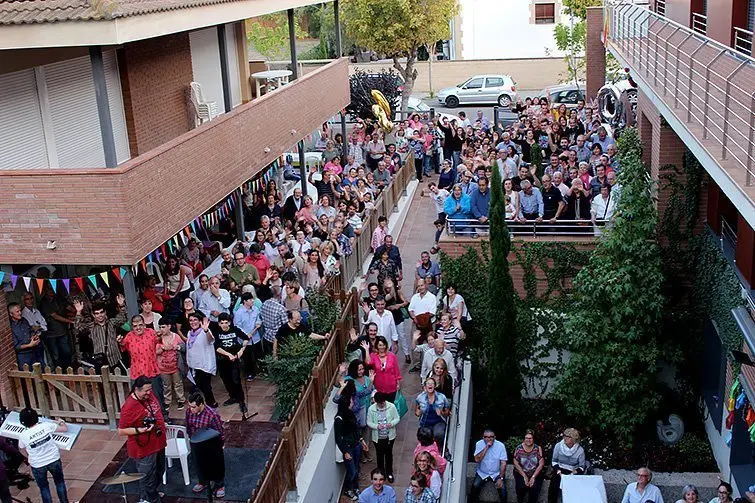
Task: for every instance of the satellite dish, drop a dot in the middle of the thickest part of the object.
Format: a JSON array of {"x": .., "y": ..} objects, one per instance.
[{"x": 672, "y": 432}]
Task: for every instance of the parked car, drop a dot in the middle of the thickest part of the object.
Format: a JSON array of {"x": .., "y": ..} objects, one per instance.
[
  {"x": 499, "y": 89},
  {"x": 417, "y": 105},
  {"x": 567, "y": 94}
]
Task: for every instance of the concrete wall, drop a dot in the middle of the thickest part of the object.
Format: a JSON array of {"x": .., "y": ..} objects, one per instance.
[{"x": 456, "y": 473}]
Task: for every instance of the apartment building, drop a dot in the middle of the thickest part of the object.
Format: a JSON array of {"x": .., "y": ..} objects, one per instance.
[
  {"x": 102, "y": 159},
  {"x": 692, "y": 62}
]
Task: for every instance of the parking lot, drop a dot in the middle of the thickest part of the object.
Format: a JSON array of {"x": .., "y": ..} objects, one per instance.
[{"x": 471, "y": 110}]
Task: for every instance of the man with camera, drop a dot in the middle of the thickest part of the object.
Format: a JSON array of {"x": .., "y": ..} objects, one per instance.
[{"x": 143, "y": 423}]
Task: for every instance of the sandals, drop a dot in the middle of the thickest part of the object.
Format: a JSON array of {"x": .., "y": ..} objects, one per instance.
[{"x": 198, "y": 488}]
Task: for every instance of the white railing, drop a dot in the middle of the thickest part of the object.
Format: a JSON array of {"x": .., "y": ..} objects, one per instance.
[
  {"x": 529, "y": 228},
  {"x": 707, "y": 85},
  {"x": 660, "y": 7},
  {"x": 458, "y": 432},
  {"x": 743, "y": 41},
  {"x": 700, "y": 23}
]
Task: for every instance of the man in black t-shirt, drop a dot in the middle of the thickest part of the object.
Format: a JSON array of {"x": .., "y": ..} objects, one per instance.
[
  {"x": 294, "y": 327},
  {"x": 553, "y": 201},
  {"x": 230, "y": 344}
]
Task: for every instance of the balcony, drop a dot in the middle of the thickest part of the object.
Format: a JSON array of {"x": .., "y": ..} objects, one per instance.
[
  {"x": 703, "y": 89},
  {"x": 119, "y": 215},
  {"x": 699, "y": 23},
  {"x": 743, "y": 41}
]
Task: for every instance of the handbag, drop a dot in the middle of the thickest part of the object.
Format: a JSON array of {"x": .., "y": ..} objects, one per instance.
[{"x": 400, "y": 403}]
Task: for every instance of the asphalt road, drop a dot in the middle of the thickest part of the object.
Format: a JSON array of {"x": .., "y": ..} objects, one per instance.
[{"x": 471, "y": 110}]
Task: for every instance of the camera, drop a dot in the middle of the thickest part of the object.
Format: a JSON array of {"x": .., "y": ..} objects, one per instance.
[{"x": 149, "y": 421}]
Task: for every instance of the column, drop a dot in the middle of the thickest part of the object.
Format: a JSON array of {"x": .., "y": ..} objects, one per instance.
[
  {"x": 302, "y": 168},
  {"x": 238, "y": 212},
  {"x": 103, "y": 106},
  {"x": 7, "y": 354},
  {"x": 337, "y": 15},
  {"x": 595, "y": 53},
  {"x": 292, "y": 44},
  {"x": 224, "y": 75},
  {"x": 129, "y": 291}
]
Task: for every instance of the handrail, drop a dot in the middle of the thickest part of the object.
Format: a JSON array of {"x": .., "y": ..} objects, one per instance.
[
  {"x": 576, "y": 228},
  {"x": 455, "y": 416},
  {"x": 660, "y": 7},
  {"x": 743, "y": 40},
  {"x": 700, "y": 23},
  {"x": 705, "y": 67}
]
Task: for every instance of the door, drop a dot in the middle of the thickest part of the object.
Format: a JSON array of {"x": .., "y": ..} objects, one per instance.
[
  {"x": 471, "y": 92},
  {"x": 493, "y": 89}
]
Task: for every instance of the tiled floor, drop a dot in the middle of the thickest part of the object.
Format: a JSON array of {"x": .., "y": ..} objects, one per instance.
[
  {"x": 416, "y": 236},
  {"x": 96, "y": 451}
]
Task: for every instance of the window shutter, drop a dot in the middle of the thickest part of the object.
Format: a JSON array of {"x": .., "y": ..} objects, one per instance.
[
  {"x": 205, "y": 61},
  {"x": 233, "y": 64},
  {"x": 115, "y": 100},
  {"x": 73, "y": 110},
  {"x": 22, "y": 138}
]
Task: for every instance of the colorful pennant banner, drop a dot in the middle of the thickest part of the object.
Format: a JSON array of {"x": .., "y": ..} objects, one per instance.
[{"x": 104, "y": 277}]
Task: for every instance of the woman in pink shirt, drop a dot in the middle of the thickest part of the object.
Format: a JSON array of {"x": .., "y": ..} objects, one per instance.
[{"x": 387, "y": 371}]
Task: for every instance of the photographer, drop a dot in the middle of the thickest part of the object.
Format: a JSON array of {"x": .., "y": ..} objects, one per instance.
[{"x": 142, "y": 422}]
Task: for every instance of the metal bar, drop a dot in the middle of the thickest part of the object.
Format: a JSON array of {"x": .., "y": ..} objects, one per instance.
[
  {"x": 647, "y": 57},
  {"x": 225, "y": 78},
  {"x": 238, "y": 212},
  {"x": 707, "y": 93},
  {"x": 677, "y": 65},
  {"x": 666, "y": 65},
  {"x": 337, "y": 21},
  {"x": 691, "y": 63},
  {"x": 129, "y": 291},
  {"x": 103, "y": 106},
  {"x": 727, "y": 95},
  {"x": 292, "y": 45},
  {"x": 752, "y": 139},
  {"x": 302, "y": 168}
]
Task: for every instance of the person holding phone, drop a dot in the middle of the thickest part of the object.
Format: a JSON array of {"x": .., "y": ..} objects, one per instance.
[{"x": 26, "y": 341}]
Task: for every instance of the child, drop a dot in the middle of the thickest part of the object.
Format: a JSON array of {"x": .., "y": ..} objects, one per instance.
[{"x": 167, "y": 362}]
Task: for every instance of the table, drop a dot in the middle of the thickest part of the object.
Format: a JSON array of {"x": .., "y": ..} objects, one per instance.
[{"x": 280, "y": 76}]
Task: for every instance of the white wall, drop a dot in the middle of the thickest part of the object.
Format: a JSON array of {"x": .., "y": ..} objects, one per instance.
[
  {"x": 721, "y": 451},
  {"x": 205, "y": 62},
  {"x": 501, "y": 29}
]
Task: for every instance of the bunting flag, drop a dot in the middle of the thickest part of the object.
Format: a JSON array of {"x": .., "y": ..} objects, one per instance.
[
  {"x": 93, "y": 279},
  {"x": 2, "y": 275},
  {"x": 40, "y": 284},
  {"x": 79, "y": 283},
  {"x": 117, "y": 273},
  {"x": 54, "y": 285},
  {"x": 105, "y": 278},
  {"x": 13, "y": 279},
  {"x": 67, "y": 284},
  {"x": 27, "y": 282},
  {"x": 123, "y": 271}
]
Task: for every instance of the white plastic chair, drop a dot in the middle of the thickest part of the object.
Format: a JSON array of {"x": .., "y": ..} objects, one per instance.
[
  {"x": 206, "y": 110},
  {"x": 177, "y": 447}
]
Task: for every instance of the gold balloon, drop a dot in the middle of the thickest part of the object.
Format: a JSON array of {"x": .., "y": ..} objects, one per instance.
[
  {"x": 382, "y": 101},
  {"x": 385, "y": 124}
]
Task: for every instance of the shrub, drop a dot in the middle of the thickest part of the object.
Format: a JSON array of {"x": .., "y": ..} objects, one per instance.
[{"x": 291, "y": 370}]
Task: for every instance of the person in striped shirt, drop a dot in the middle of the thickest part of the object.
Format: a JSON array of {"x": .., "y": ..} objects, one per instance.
[{"x": 449, "y": 333}]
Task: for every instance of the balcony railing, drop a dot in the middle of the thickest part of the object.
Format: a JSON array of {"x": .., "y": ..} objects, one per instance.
[
  {"x": 706, "y": 85},
  {"x": 660, "y": 7},
  {"x": 467, "y": 228},
  {"x": 743, "y": 41},
  {"x": 700, "y": 23}
]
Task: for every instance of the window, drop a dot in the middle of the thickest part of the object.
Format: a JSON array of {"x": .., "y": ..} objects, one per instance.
[
  {"x": 545, "y": 13},
  {"x": 493, "y": 82},
  {"x": 474, "y": 84}
]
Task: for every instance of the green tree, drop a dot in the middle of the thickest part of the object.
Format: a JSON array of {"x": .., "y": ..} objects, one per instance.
[
  {"x": 269, "y": 35},
  {"x": 579, "y": 7},
  {"x": 504, "y": 378},
  {"x": 613, "y": 329},
  {"x": 399, "y": 28},
  {"x": 571, "y": 40}
]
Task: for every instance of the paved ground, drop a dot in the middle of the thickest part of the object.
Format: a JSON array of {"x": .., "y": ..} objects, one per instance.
[
  {"x": 471, "y": 110},
  {"x": 416, "y": 236}
]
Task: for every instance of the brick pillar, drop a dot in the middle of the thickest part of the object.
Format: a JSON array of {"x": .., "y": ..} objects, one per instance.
[
  {"x": 7, "y": 355},
  {"x": 595, "y": 53},
  {"x": 667, "y": 149}
]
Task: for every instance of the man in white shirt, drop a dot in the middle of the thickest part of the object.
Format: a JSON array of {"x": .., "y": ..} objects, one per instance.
[
  {"x": 438, "y": 350},
  {"x": 204, "y": 287},
  {"x": 603, "y": 207},
  {"x": 43, "y": 453},
  {"x": 384, "y": 321},
  {"x": 215, "y": 301},
  {"x": 642, "y": 491},
  {"x": 490, "y": 456},
  {"x": 422, "y": 307},
  {"x": 32, "y": 314}
]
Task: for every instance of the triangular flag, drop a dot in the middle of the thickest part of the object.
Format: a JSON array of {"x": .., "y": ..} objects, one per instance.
[
  {"x": 27, "y": 282},
  {"x": 67, "y": 284},
  {"x": 40, "y": 284},
  {"x": 193, "y": 229},
  {"x": 104, "y": 277},
  {"x": 80, "y": 284},
  {"x": 117, "y": 273},
  {"x": 93, "y": 279},
  {"x": 13, "y": 279},
  {"x": 178, "y": 245},
  {"x": 2, "y": 275},
  {"x": 157, "y": 255},
  {"x": 149, "y": 258},
  {"x": 170, "y": 247},
  {"x": 54, "y": 285},
  {"x": 187, "y": 231},
  {"x": 144, "y": 264},
  {"x": 123, "y": 272}
]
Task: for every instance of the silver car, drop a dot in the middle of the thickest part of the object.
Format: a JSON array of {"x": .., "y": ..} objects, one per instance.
[{"x": 499, "y": 89}]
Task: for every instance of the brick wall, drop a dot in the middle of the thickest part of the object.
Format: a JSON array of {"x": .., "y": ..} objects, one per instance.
[
  {"x": 7, "y": 355},
  {"x": 154, "y": 76},
  {"x": 455, "y": 247},
  {"x": 595, "y": 52},
  {"x": 119, "y": 215}
]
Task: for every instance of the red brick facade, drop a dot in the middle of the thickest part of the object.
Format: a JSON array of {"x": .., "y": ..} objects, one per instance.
[
  {"x": 7, "y": 355},
  {"x": 154, "y": 76},
  {"x": 117, "y": 216},
  {"x": 455, "y": 247},
  {"x": 595, "y": 52}
]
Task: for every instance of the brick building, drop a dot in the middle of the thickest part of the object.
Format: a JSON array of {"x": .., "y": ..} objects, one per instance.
[
  {"x": 102, "y": 159},
  {"x": 695, "y": 74}
]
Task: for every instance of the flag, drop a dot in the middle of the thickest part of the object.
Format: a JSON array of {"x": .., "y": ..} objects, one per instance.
[
  {"x": 123, "y": 272},
  {"x": 40, "y": 284},
  {"x": 2, "y": 275},
  {"x": 93, "y": 279},
  {"x": 117, "y": 273},
  {"x": 104, "y": 277},
  {"x": 27, "y": 283},
  {"x": 54, "y": 285},
  {"x": 13, "y": 279},
  {"x": 80, "y": 284},
  {"x": 67, "y": 284}
]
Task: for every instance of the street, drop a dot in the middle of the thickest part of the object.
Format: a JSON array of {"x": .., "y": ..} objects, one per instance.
[{"x": 507, "y": 117}]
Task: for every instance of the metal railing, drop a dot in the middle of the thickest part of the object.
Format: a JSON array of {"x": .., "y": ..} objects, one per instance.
[
  {"x": 452, "y": 423},
  {"x": 660, "y": 7},
  {"x": 707, "y": 85},
  {"x": 728, "y": 237},
  {"x": 743, "y": 41},
  {"x": 700, "y": 23},
  {"x": 470, "y": 228}
]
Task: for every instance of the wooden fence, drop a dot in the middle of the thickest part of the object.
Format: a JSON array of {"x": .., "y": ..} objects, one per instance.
[{"x": 87, "y": 398}]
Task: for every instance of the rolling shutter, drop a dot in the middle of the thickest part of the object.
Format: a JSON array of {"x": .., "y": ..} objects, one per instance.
[
  {"x": 115, "y": 100},
  {"x": 21, "y": 129},
  {"x": 73, "y": 111}
]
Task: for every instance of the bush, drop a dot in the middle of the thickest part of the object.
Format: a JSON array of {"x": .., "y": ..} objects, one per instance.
[
  {"x": 325, "y": 311},
  {"x": 291, "y": 370}
]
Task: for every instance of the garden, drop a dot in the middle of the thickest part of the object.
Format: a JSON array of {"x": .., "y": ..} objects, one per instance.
[{"x": 607, "y": 340}]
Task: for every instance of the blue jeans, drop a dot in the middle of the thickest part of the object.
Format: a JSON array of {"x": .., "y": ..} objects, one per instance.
[
  {"x": 352, "y": 467},
  {"x": 477, "y": 488},
  {"x": 427, "y": 164},
  {"x": 59, "y": 349},
  {"x": 36, "y": 355},
  {"x": 457, "y": 158},
  {"x": 40, "y": 477},
  {"x": 153, "y": 467}
]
